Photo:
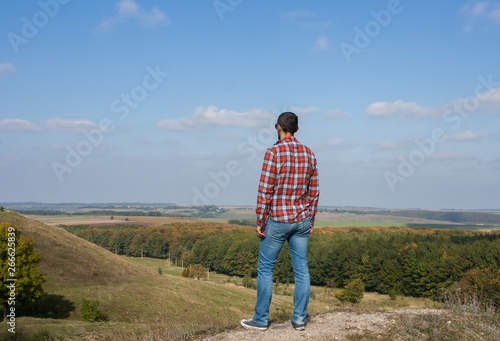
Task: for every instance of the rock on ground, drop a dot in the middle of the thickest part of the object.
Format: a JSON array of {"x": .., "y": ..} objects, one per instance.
[{"x": 329, "y": 326}]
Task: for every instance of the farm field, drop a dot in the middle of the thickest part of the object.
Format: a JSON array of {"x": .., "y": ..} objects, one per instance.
[
  {"x": 150, "y": 297},
  {"x": 323, "y": 219},
  {"x": 103, "y": 220}
]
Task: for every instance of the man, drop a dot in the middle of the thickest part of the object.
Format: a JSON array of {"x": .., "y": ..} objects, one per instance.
[{"x": 286, "y": 207}]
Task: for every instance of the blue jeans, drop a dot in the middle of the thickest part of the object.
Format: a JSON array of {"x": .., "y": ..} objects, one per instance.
[{"x": 297, "y": 235}]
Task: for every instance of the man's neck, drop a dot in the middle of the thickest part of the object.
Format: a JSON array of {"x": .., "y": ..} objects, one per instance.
[{"x": 283, "y": 135}]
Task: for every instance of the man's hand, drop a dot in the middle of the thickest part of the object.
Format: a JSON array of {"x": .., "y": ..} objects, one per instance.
[
  {"x": 260, "y": 232},
  {"x": 311, "y": 230}
]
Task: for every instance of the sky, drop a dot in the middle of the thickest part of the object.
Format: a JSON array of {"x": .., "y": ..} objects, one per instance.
[{"x": 175, "y": 101}]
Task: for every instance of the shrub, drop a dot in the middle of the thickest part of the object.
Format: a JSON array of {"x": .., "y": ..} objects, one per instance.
[
  {"x": 187, "y": 272},
  {"x": 282, "y": 289},
  {"x": 329, "y": 286},
  {"x": 91, "y": 311},
  {"x": 248, "y": 282},
  {"x": 197, "y": 270},
  {"x": 353, "y": 292},
  {"x": 478, "y": 290}
]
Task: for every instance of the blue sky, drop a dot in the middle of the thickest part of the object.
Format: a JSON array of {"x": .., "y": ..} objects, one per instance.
[{"x": 175, "y": 101}]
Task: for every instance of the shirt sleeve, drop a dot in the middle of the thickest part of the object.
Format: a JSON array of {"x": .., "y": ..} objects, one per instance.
[
  {"x": 266, "y": 187},
  {"x": 313, "y": 192}
]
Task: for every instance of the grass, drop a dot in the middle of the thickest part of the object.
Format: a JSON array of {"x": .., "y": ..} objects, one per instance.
[
  {"x": 130, "y": 292},
  {"x": 455, "y": 321},
  {"x": 440, "y": 325},
  {"x": 127, "y": 292},
  {"x": 140, "y": 303},
  {"x": 323, "y": 219},
  {"x": 323, "y": 300},
  {"x": 457, "y": 227},
  {"x": 93, "y": 219},
  {"x": 355, "y": 224}
]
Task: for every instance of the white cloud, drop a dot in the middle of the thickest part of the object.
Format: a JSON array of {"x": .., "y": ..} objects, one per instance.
[
  {"x": 475, "y": 10},
  {"x": 18, "y": 125},
  {"x": 479, "y": 8},
  {"x": 321, "y": 43},
  {"x": 386, "y": 145},
  {"x": 488, "y": 102},
  {"x": 211, "y": 115},
  {"x": 127, "y": 9},
  {"x": 412, "y": 109},
  {"x": 72, "y": 126},
  {"x": 495, "y": 14},
  {"x": 340, "y": 142},
  {"x": 181, "y": 124},
  {"x": 303, "y": 111},
  {"x": 465, "y": 136},
  {"x": 7, "y": 69},
  {"x": 335, "y": 113}
]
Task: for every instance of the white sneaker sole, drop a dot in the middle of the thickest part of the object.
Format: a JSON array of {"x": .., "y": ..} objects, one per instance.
[{"x": 252, "y": 327}]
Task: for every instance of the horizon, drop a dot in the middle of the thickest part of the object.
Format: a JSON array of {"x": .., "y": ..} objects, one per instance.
[
  {"x": 176, "y": 102},
  {"x": 241, "y": 206}
]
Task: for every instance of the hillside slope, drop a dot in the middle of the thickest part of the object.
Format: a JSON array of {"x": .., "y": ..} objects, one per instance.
[
  {"x": 135, "y": 298},
  {"x": 68, "y": 261}
]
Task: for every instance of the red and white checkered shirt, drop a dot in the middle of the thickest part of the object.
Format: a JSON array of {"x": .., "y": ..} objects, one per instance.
[{"x": 288, "y": 187}]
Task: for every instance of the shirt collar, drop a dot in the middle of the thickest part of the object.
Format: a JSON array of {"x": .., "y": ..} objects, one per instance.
[{"x": 287, "y": 138}]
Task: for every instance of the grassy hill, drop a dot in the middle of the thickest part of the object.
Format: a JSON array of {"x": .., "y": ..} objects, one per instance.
[{"x": 136, "y": 298}]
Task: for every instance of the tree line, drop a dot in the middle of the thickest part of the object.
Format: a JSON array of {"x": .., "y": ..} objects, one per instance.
[
  {"x": 207, "y": 211},
  {"x": 414, "y": 262},
  {"x": 175, "y": 240}
]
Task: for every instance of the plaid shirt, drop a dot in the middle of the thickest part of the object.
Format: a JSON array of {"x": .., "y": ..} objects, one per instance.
[{"x": 288, "y": 187}]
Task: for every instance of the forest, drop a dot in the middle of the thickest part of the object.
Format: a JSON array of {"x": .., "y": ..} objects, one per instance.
[{"x": 419, "y": 262}]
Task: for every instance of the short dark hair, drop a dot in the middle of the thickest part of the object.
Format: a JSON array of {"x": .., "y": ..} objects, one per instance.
[{"x": 289, "y": 122}]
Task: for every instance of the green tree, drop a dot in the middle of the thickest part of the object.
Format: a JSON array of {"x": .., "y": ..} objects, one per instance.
[
  {"x": 390, "y": 275},
  {"x": 248, "y": 282},
  {"x": 91, "y": 311},
  {"x": 187, "y": 272},
  {"x": 199, "y": 271},
  {"x": 19, "y": 261},
  {"x": 353, "y": 291}
]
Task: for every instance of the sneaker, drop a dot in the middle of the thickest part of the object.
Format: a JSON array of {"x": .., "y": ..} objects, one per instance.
[
  {"x": 299, "y": 326},
  {"x": 251, "y": 324}
]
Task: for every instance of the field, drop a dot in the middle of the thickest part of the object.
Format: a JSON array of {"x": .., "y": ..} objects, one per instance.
[
  {"x": 147, "y": 298},
  {"x": 324, "y": 218},
  {"x": 132, "y": 295},
  {"x": 102, "y": 220},
  {"x": 137, "y": 299}
]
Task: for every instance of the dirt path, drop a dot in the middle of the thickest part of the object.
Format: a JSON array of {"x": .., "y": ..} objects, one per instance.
[{"x": 329, "y": 326}]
